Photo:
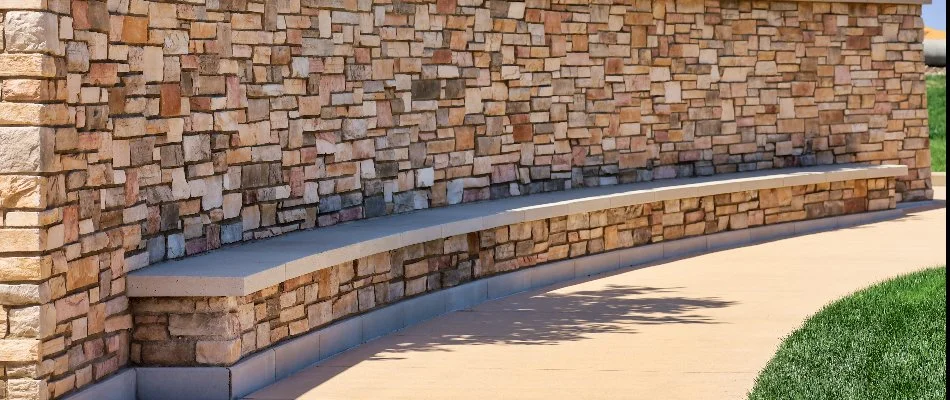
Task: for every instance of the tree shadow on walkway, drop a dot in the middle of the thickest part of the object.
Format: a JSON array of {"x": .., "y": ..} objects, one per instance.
[
  {"x": 543, "y": 317},
  {"x": 553, "y": 317}
]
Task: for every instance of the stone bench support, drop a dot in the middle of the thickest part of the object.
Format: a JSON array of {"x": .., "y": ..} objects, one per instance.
[
  {"x": 211, "y": 326},
  {"x": 237, "y": 333},
  {"x": 249, "y": 268},
  {"x": 240, "y": 343}
]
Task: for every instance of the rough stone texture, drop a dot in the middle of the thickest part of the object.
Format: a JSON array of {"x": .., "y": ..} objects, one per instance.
[
  {"x": 139, "y": 131},
  {"x": 26, "y": 149},
  {"x": 19, "y": 350},
  {"x": 30, "y": 31},
  {"x": 211, "y": 329}
]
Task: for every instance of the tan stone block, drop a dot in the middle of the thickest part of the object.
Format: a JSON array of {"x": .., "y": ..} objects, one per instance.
[
  {"x": 347, "y": 304},
  {"x": 218, "y": 352},
  {"x": 660, "y": 74},
  {"x": 162, "y": 15},
  {"x": 473, "y": 101},
  {"x": 22, "y": 191},
  {"x": 203, "y": 30},
  {"x": 28, "y": 90},
  {"x": 3, "y": 322},
  {"x": 28, "y": 65},
  {"x": 176, "y": 42},
  {"x": 27, "y": 389},
  {"x": 673, "y": 92},
  {"x": 153, "y": 64},
  {"x": 778, "y": 197},
  {"x": 319, "y": 314},
  {"x": 765, "y": 68},
  {"x": 31, "y": 31},
  {"x": 232, "y": 205},
  {"x": 735, "y": 74},
  {"x": 129, "y": 127},
  {"x": 483, "y": 20},
  {"x": 739, "y": 221},
  {"x": 82, "y": 272},
  {"x": 19, "y": 350},
  {"x": 743, "y": 148},
  {"x": 21, "y": 240},
  {"x": 21, "y": 268},
  {"x": 23, "y": 4},
  {"x": 744, "y": 27},
  {"x": 204, "y": 324},
  {"x": 19, "y": 294},
  {"x": 25, "y": 322},
  {"x": 33, "y": 114}
]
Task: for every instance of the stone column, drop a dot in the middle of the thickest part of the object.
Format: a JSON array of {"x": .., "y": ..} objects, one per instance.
[
  {"x": 31, "y": 111},
  {"x": 912, "y": 114}
]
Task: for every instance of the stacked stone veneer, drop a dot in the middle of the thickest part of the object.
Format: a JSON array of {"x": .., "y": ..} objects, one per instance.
[
  {"x": 220, "y": 330},
  {"x": 135, "y": 131}
]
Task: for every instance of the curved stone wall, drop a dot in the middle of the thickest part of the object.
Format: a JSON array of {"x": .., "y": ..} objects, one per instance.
[
  {"x": 145, "y": 130},
  {"x": 192, "y": 331}
]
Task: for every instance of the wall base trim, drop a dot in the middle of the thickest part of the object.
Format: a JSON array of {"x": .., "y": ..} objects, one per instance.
[{"x": 120, "y": 386}]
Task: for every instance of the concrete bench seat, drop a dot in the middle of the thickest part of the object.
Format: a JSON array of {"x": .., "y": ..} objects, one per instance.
[
  {"x": 228, "y": 322},
  {"x": 246, "y": 268}
]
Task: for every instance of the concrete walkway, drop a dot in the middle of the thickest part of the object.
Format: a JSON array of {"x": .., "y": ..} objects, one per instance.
[{"x": 697, "y": 328}]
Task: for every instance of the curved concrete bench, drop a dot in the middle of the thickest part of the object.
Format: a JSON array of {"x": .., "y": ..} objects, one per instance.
[
  {"x": 217, "y": 299},
  {"x": 288, "y": 357},
  {"x": 244, "y": 269}
]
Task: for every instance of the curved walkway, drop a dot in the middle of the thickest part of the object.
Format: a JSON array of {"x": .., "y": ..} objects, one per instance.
[{"x": 696, "y": 328}]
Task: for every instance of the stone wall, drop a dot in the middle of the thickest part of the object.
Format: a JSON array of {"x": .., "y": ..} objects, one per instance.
[
  {"x": 136, "y": 131},
  {"x": 174, "y": 331}
]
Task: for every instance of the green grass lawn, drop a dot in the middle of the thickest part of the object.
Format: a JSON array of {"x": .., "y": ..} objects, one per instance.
[
  {"x": 885, "y": 342},
  {"x": 937, "y": 107}
]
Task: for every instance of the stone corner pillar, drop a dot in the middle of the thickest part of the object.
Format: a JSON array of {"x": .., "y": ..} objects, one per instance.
[
  {"x": 913, "y": 117},
  {"x": 31, "y": 111}
]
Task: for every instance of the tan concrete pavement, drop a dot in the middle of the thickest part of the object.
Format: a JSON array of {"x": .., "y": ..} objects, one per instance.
[{"x": 696, "y": 328}]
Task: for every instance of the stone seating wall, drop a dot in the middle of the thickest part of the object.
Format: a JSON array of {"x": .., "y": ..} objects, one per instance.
[
  {"x": 207, "y": 331},
  {"x": 134, "y": 132}
]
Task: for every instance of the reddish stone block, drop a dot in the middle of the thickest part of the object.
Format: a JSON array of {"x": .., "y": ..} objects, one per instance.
[
  {"x": 552, "y": 22},
  {"x": 446, "y": 6},
  {"x": 803, "y": 89},
  {"x": 614, "y": 66},
  {"x": 102, "y": 74},
  {"x": 442, "y": 56},
  {"x": 135, "y": 30},
  {"x": 170, "y": 100},
  {"x": 523, "y": 133},
  {"x": 464, "y": 138},
  {"x": 384, "y": 114},
  {"x": 131, "y": 187},
  {"x": 855, "y": 205},
  {"x": 117, "y": 100},
  {"x": 858, "y": 43},
  {"x": 90, "y": 15}
]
